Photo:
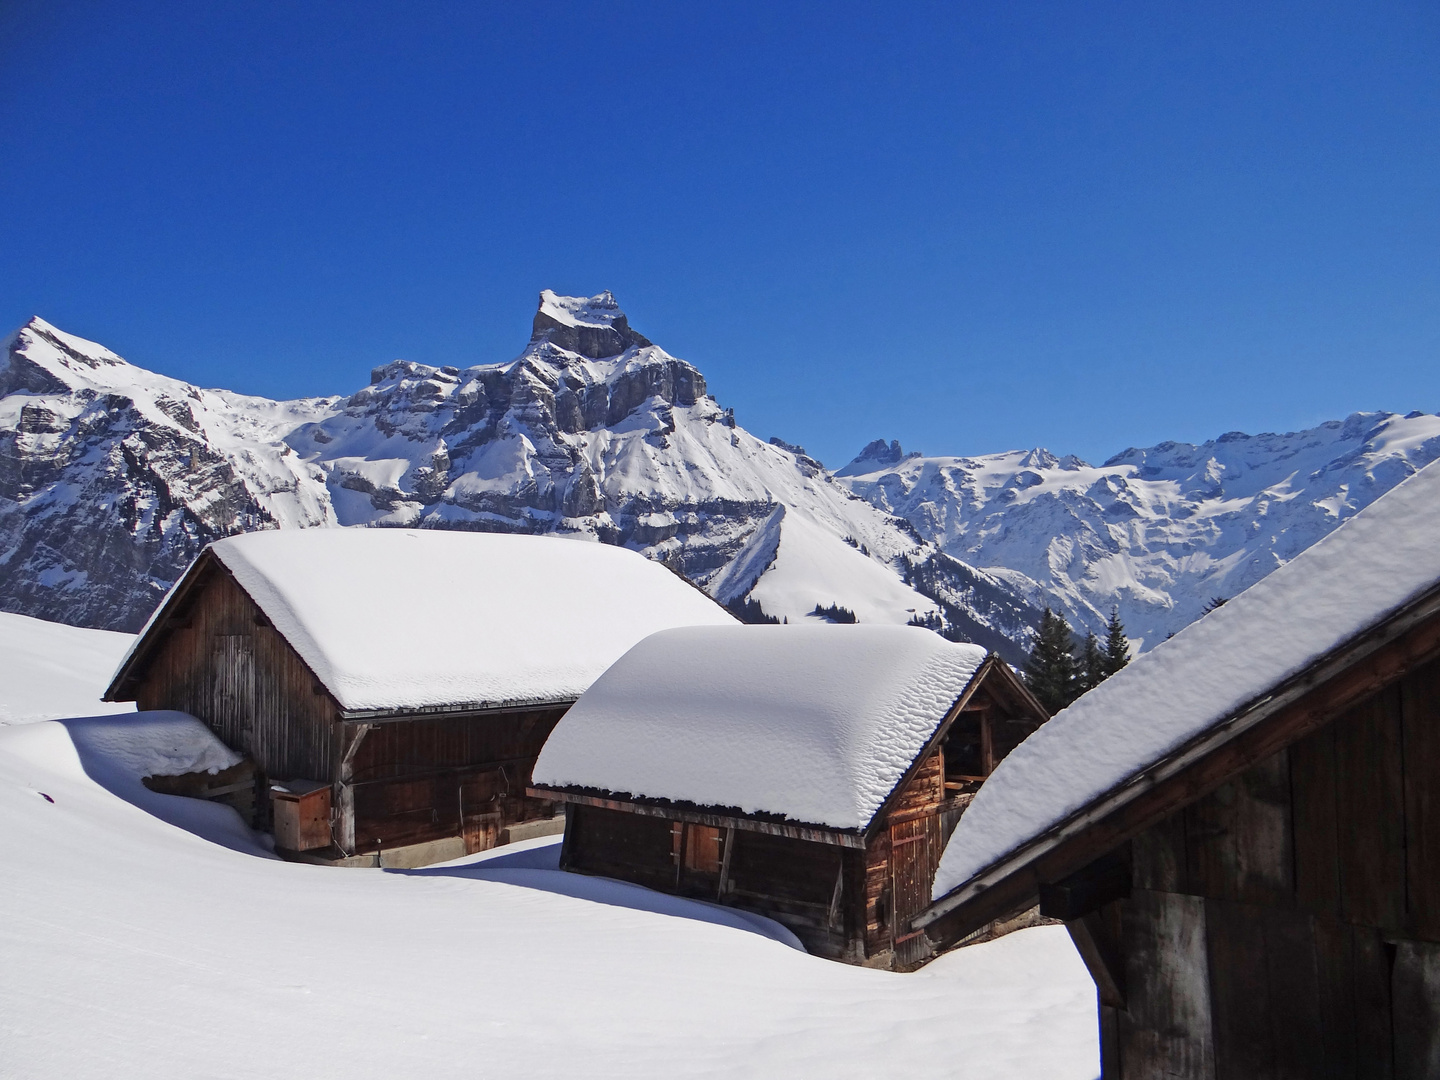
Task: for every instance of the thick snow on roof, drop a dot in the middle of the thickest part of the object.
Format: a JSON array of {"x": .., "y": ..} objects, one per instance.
[
  {"x": 392, "y": 618},
  {"x": 817, "y": 723},
  {"x": 1348, "y": 581}
]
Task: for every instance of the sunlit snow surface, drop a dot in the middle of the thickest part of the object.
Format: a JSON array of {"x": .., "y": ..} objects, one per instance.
[
  {"x": 48, "y": 670},
  {"x": 134, "y": 948}
]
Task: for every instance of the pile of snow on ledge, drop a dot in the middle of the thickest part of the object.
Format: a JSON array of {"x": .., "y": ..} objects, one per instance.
[
  {"x": 156, "y": 743},
  {"x": 1369, "y": 566},
  {"x": 393, "y": 619},
  {"x": 816, "y": 723}
]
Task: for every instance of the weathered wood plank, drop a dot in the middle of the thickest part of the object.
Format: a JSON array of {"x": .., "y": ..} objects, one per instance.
[
  {"x": 1420, "y": 710},
  {"x": 1374, "y": 1044},
  {"x": 1239, "y": 993},
  {"x": 1166, "y": 1029},
  {"x": 1370, "y": 812},
  {"x": 1157, "y": 857},
  {"x": 1238, "y": 837},
  {"x": 1316, "y": 830},
  {"x": 1334, "y": 959},
  {"x": 1416, "y": 1010}
]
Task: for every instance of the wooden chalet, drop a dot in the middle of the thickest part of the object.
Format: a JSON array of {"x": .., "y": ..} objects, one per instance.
[
  {"x": 1254, "y": 880},
  {"x": 394, "y": 687},
  {"x": 810, "y": 774}
]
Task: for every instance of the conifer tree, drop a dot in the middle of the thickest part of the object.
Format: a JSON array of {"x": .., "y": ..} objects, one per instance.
[
  {"x": 1050, "y": 671},
  {"x": 1092, "y": 664},
  {"x": 1117, "y": 649}
]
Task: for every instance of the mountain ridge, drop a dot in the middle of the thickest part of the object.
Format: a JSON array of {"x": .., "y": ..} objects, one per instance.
[{"x": 112, "y": 478}]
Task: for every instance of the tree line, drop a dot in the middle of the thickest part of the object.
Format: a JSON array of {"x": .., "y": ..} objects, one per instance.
[{"x": 1061, "y": 667}]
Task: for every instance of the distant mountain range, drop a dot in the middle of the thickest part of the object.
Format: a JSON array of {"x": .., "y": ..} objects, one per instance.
[{"x": 112, "y": 478}]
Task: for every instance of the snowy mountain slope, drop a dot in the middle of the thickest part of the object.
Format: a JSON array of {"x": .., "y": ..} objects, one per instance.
[
  {"x": 1158, "y": 531},
  {"x": 48, "y": 670},
  {"x": 112, "y": 478},
  {"x": 133, "y": 947}
]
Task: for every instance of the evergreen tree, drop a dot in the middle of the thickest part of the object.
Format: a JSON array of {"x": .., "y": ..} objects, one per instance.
[
  {"x": 1117, "y": 649},
  {"x": 1092, "y": 664},
  {"x": 1050, "y": 672}
]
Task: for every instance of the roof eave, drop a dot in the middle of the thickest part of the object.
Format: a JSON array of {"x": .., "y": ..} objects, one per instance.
[{"x": 1024, "y": 859}]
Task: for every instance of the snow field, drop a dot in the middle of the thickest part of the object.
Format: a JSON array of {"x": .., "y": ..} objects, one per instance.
[
  {"x": 134, "y": 947},
  {"x": 48, "y": 670}
]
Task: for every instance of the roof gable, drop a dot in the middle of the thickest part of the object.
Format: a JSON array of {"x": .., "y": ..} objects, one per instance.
[
  {"x": 391, "y": 619},
  {"x": 1224, "y": 665},
  {"x": 814, "y": 724}
]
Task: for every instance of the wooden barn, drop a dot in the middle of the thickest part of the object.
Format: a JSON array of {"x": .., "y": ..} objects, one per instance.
[
  {"x": 394, "y": 687},
  {"x": 807, "y": 773},
  {"x": 1242, "y": 828}
]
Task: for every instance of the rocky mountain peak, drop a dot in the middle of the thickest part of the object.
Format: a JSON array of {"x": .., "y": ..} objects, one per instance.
[
  {"x": 876, "y": 455},
  {"x": 591, "y": 326}
]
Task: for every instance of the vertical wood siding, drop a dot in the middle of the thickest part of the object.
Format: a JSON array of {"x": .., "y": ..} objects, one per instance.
[
  {"x": 413, "y": 781},
  {"x": 231, "y": 669},
  {"x": 1288, "y": 924}
]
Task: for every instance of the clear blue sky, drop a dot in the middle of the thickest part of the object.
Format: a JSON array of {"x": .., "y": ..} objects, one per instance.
[{"x": 968, "y": 226}]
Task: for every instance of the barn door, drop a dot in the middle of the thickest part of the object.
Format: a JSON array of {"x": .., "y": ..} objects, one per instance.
[
  {"x": 910, "y": 875},
  {"x": 232, "y": 707}
]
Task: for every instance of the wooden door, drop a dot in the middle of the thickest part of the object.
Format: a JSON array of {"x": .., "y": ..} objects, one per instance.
[
  {"x": 232, "y": 703},
  {"x": 911, "y": 871}
]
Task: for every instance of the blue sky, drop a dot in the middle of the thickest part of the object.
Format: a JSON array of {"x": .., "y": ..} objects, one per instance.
[{"x": 970, "y": 227}]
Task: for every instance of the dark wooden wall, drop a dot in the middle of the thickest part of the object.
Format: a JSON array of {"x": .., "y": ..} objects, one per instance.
[
  {"x": 399, "y": 782},
  {"x": 801, "y": 884},
  {"x": 1288, "y": 924},
  {"x": 410, "y": 780},
  {"x": 228, "y": 666}
]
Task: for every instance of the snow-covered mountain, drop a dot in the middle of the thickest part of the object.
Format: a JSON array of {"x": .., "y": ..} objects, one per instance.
[
  {"x": 1160, "y": 531},
  {"x": 113, "y": 477}
]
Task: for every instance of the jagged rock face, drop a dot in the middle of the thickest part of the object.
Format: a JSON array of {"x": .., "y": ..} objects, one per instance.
[
  {"x": 113, "y": 478},
  {"x": 596, "y": 327},
  {"x": 1158, "y": 531}
]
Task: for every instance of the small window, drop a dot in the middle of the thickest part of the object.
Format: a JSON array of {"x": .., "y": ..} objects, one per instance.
[
  {"x": 700, "y": 845},
  {"x": 965, "y": 747}
]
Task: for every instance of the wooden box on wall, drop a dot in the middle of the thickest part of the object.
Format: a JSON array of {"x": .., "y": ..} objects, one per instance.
[{"x": 301, "y": 813}]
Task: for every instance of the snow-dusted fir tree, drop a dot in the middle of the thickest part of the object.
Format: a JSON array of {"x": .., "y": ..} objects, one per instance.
[
  {"x": 1117, "y": 648},
  {"x": 1092, "y": 668},
  {"x": 1051, "y": 671}
]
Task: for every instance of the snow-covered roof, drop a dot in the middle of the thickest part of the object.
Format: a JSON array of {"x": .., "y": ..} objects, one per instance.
[
  {"x": 1347, "y": 582},
  {"x": 815, "y": 723},
  {"x": 406, "y": 619}
]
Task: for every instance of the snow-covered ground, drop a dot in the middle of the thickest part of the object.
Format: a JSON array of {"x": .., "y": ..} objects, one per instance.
[
  {"x": 48, "y": 670},
  {"x": 147, "y": 935}
]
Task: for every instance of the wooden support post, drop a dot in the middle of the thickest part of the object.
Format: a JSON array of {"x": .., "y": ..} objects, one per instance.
[
  {"x": 725, "y": 863},
  {"x": 1102, "y": 956}
]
